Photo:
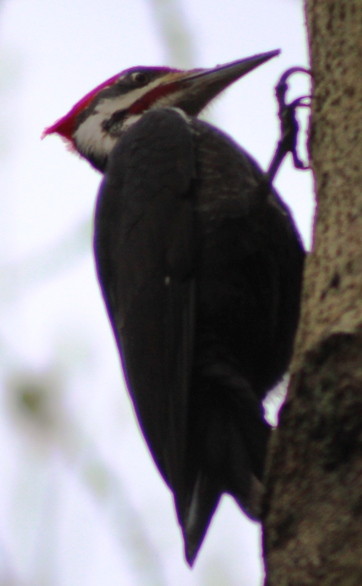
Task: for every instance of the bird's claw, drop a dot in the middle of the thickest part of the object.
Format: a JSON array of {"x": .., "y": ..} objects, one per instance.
[{"x": 289, "y": 126}]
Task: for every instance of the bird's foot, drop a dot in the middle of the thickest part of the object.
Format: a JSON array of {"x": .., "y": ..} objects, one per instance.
[{"x": 289, "y": 126}]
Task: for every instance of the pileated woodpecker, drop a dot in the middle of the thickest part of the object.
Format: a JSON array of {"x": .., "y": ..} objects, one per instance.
[{"x": 200, "y": 267}]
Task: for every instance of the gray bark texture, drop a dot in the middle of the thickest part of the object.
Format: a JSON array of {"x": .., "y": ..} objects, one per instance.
[{"x": 312, "y": 510}]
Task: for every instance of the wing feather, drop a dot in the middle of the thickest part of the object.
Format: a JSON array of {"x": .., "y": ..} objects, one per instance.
[{"x": 145, "y": 256}]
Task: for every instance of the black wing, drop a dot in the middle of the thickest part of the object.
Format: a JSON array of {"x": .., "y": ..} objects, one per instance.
[{"x": 144, "y": 248}]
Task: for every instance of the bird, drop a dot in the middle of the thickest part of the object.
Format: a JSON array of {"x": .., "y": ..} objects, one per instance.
[{"x": 200, "y": 265}]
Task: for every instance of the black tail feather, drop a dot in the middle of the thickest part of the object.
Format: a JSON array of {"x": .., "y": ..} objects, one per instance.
[{"x": 227, "y": 454}]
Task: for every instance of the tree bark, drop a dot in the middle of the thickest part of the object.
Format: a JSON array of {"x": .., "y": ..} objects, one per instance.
[{"x": 312, "y": 508}]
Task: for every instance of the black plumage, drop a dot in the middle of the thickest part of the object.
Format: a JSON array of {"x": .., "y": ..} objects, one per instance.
[{"x": 200, "y": 267}]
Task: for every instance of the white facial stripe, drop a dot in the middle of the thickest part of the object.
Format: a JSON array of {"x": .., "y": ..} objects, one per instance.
[
  {"x": 108, "y": 106},
  {"x": 91, "y": 138},
  {"x": 131, "y": 120}
]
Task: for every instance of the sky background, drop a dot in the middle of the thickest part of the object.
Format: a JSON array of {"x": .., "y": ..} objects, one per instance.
[{"x": 81, "y": 503}]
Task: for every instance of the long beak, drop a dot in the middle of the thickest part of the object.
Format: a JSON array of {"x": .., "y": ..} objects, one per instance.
[{"x": 202, "y": 85}]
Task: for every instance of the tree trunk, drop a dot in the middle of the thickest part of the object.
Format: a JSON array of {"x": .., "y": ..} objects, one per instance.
[{"x": 313, "y": 503}]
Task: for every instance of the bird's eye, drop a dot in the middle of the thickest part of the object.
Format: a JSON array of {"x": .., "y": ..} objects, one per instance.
[{"x": 139, "y": 77}]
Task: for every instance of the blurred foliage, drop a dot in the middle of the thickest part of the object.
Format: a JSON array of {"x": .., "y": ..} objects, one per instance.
[{"x": 175, "y": 32}]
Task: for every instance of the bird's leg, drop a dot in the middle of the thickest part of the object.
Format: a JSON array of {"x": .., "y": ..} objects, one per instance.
[{"x": 289, "y": 126}]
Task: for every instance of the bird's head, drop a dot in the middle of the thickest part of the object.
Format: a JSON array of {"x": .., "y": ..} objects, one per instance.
[{"x": 94, "y": 124}]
